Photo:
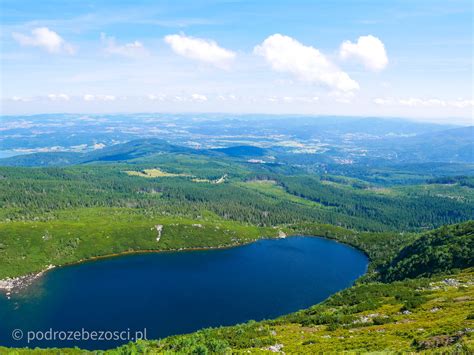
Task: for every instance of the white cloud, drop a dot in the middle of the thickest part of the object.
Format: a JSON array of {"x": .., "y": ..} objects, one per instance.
[
  {"x": 154, "y": 97},
  {"x": 203, "y": 50},
  {"x": 19, "y": 99},
  {"x": 230, "y": 97},
  {"x": 89, "y": 97},
  {"x": 59, "y": 97},
  {"x": 286, "y": 54},
  {"x": 460, "y": 103},
  {"x": 131, "y": 50},
  {"x": 300, "y": 99},
  {"x": 369, "y": 50},
  {"x": 177, "y": 98},
  {"x": 198, "y": 98},
  {"x": 421, "y": 102},
  {"x": 44, "y": 38},
  {"x": 107, "y": 97}
]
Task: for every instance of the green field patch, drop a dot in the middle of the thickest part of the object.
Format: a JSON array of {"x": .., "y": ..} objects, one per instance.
[{"x": 152, "y": 173}]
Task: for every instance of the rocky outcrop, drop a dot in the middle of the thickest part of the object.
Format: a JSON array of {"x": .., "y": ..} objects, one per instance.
[
  {"x": 11, "y": 284},
  {"x": 159, "y": 230}
]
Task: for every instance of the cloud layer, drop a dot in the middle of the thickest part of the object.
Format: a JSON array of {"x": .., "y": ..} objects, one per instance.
[
  {"x": 59, "y": 97},
  {"x": 286, "y": 54},
  {"x": 89, "y": 97},
  {"x": 368, "y": 50},
  {"x": 46, "y": 39},
  {"x": 203, "y": 50},
  {"x": 419, "y": 102}
]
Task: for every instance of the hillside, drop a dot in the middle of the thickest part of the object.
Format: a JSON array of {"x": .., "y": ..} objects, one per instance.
[
  {"x": 442, "y": 250},
  {"x": 433, "y": 314}
]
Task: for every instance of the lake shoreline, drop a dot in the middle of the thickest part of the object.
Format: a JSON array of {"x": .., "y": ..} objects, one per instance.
[
  {"x": 15, "y": 284},
  {"x": 19, "y": 283}
]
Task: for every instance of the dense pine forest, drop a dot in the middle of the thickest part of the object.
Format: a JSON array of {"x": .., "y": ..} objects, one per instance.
[{"x": 264, "y": 196}]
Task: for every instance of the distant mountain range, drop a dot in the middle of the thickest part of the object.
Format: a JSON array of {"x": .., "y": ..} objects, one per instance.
[
  {"x": 454, "y": 145},
  {"x": 135, "y": 149}
]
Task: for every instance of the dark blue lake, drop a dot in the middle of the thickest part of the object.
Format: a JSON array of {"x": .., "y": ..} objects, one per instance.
[{"x": 173, "y": 293}]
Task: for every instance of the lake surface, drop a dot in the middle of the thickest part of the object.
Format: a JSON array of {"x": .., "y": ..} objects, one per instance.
[{"x": 179, "y": 292}]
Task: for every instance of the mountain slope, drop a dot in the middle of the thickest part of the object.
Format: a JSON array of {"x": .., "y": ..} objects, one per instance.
[{"x": 442, "y": 250}]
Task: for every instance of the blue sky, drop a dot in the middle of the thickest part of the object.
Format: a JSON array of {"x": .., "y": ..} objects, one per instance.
[{"x": 369, "y": 58}]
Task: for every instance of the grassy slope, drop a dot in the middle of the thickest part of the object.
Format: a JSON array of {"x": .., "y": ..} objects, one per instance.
[
  {"x": 404, "y": 316},
  {"x": 80, "y": 234}
]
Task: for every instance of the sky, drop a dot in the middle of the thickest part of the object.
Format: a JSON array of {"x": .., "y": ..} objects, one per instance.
[{"x": 410, "y": 58}]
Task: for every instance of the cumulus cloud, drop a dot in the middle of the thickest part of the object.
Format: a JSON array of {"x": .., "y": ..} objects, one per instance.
[
  {"x": 133, "y": 49},
  {"x": 369, "y": 50},
  {"x": 44, "y": 38},
  {"x": 286, "y": 54},
  {"x": 203, "y": 50},
  {"x": 59, "y": 97}
]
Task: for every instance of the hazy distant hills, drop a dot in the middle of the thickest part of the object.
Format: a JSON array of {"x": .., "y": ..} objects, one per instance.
[
  {"x": 452, "y": 145},
  {"x": 74, "y": 131},
  {"x": 116, "y": 153},
  {"x": 129, "y": 151},
  {"x": 292, "y": 140}
]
